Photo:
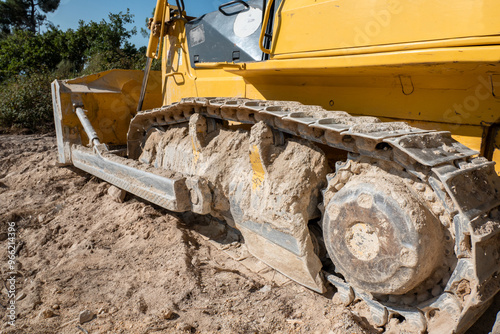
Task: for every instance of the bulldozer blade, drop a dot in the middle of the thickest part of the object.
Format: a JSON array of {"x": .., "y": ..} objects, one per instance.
[
  {"x": 169, "y": 193},
  {"x": 110, "y": 101}
]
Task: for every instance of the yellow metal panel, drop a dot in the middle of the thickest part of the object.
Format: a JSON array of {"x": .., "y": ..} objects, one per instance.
[
  {"x": 223, "y": 86},
  {"x": 257, "y": 167},
  {"x": 496, "y": 158},
  {"x": 460, "y": 100},
  {"x": 454, "y": 85},
  {"x": 110, "y": 99},
  {"x": 443, "y": 77},
  {"x": 455, "y": 58},
  {"x": 471, "y": 142},
  {"x": 179, "y": 79},
  {"x": 341, "y": 24},
  {"x": 496, "y": 152}
]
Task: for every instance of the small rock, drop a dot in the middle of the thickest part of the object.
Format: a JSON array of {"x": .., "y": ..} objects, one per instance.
[
  {"x": 423, "y": 296},
  {"x": 408, "y": 298},
  {"x": 19, "y": 265},
  {"x": 46, "y": 314},
  {"x": 265, "y": 288},
  {"x": 102, "y": 310},
  {"x": 117, "y": 194},
  {"x": 86, "y": 316},
  {"x": 143, "y": 307},
  {"x": 58, "y": 208},
  {"x": 195, "y": 261},
  {"x": 55, "y": 307},
  {"x": 21, "y": 296},
  {"x": 181, "y": 326},
  {"x": 41, "y": 218},
  {"x": 168, "y": 314},
  {"x": 436, "y": 290},
  {"x": 113, "y": 310}
]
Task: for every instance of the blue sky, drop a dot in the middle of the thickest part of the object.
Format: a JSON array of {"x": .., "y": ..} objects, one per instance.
[{"x": 71, "y": 11}]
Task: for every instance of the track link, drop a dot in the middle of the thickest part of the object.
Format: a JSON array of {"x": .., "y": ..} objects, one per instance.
[{"x": 461, "y": 189}]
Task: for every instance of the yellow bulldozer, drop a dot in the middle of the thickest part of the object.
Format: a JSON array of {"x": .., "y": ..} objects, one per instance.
[{"x": 351, "y": 143}]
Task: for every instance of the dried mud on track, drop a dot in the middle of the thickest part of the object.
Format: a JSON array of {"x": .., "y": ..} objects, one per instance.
[{"x": 138, "y": 268}]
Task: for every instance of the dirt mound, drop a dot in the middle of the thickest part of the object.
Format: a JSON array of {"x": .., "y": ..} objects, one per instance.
[{"x": 135, "y": 268}]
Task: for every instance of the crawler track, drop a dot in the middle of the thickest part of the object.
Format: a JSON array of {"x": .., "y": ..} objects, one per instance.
[{"x": 461, "y": 190}]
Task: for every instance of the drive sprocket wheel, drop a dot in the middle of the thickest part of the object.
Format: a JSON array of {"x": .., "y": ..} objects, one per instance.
[
  {"x": 381, "y": 237},
  {"x": 386, "y": 234}
]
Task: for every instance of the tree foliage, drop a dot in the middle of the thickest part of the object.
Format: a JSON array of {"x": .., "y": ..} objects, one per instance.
[
  {"x": 26, "y": 102},
  {"x": 25, "y": 14},
  {"x": 92, "y": 47},
  {"x": 29, "y": 61}
]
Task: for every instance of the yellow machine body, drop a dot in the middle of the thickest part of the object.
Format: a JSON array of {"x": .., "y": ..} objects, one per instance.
[{"x": 429, "y": 63}]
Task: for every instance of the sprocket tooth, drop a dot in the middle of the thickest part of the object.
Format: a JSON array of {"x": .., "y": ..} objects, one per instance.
[
  {"x": 414, "y": 319},
  {"x": 442, "y": 314},
  {"x": 346, "y": 293}
]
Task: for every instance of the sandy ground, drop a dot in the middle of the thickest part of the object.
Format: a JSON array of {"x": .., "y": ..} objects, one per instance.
[{"x": 136, "y": 267}]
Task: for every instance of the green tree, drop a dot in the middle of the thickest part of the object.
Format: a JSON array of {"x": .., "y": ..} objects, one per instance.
[
  {"x": 104, "y": 45},
  {"x": 93, "y": 47},
  {"x": 23, "y": 52},
  {"x": 24, "y": 14},
  {"x": 26, "y": 103},
  {"x": 30, "y": 61}
]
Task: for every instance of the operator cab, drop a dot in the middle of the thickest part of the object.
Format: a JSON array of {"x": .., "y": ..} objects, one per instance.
[{"x": 230, "y": 34}]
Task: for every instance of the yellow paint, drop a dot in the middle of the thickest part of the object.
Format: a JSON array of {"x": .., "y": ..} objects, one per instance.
[
  {"x": 448, "y": 55},
  {"x": 257, "y": 167},
  {"x": 496, "y": 152},
  {"x": 111, "y": 100},
  {"x": 471, "y": 142},
  {"x": 496, "y": 158},
  {"x": 345, "y": 24},
  {"x": 265, "y": 24},
  {"x": 197, "y": 146},
  {"x": 161, "y": 15},
  {"x": 196, "y": 152},
  {"x": 179, "y": 79},
  {"x": 446, "y": 91}
]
